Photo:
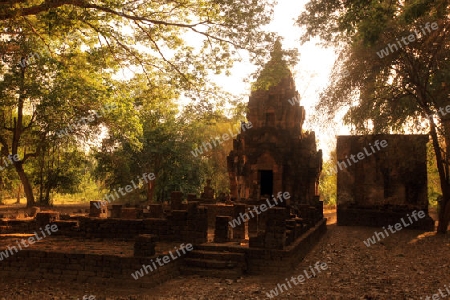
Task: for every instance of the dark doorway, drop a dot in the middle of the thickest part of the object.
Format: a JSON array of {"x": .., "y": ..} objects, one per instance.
[{"x": 266, "y": 182}]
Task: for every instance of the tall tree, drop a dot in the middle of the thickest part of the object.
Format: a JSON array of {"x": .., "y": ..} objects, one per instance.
[
  {"x": 87, "y": 41},
  {"x": 396, "y": 56}
]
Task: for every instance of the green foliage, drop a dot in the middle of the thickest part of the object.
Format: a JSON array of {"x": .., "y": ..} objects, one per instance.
[
  {"x": 169, "y": 138},
  {"x": 394, "y": 84},
  {"x": 58, "y": 169},
  {"x": 328, "y": 181},
  {"x": 276, "y": 69},
  {"x": 82, "y": 47}
]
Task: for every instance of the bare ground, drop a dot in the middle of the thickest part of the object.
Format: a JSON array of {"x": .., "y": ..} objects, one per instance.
[{"x": 408, "y": 264}]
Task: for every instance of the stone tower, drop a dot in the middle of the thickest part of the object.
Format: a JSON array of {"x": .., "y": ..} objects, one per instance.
[{"x": 275, "y": 155}]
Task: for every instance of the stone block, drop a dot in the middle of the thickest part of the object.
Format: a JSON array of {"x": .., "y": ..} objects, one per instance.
[
  {"x": 223, "y": 231},
  {"x": 145, "y": 244},
  {"x": 132, "y": 213},
  {"x": 98, "y": 209},
  {"x": 116, "y": 211},
  {"x": 46, "y": 217}
]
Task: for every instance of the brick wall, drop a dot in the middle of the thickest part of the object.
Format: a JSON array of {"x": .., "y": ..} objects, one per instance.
[
  {"x": 218, "y": 210},
  {"x": 32, "y": 264},
  {"x": 262, "y": 261}
]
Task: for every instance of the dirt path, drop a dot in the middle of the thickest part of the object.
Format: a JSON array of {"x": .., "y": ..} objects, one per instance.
[{"x": 406, "y": 265}]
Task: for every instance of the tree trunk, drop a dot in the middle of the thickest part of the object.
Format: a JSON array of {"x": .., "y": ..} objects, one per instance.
[
  {"x": 444, "y": 214},
  {"x": 150, "y": 191},
  {"x": 47, "y": 195},
  {"x": 18, "y": 194},
  {"x": 25, "y": 182},
  {"x": 17, "y": 134}
]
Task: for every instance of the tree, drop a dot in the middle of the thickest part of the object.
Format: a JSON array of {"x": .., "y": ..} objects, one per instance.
[
  {"x": 220, "y": 27},
  {"x": 392, "y": 80},
  {"x": 328, "y": 181},
  {"x": 88, "y": 41},
  {"x": 166, "y": 146},
  {"x": 58, "y": 169},
  {"x": 40, "y": 98}
]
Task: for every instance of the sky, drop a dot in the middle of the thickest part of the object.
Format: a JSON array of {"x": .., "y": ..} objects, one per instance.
[{"x": 311, "y": 74}]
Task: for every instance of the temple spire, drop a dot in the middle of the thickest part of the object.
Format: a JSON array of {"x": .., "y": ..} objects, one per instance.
[{"x": 274, "y": 71}]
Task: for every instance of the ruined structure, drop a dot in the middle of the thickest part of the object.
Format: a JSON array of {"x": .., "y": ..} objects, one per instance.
[
  {"x": 385, "y": 183},
  {"x": 275, "y": 154},
  {"x": 253, "y": 234}
]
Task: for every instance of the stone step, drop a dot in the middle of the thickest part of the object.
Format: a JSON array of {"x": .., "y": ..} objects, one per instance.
[
  {"x": 212, "y": 247},
  {"x": 217, "y": 273},
  {"x": 210, "y": 263},
  {"x": 217, "y": 255}
]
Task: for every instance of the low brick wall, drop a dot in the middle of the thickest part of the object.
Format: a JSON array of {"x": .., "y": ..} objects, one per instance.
[
  {"x": 180, "y": 225},
  {"x": 218, "y": 210},
  {"x": 117, "y": 270},
  {"x": 175, "y": 228},
  {"x": 17, "y": 226},
  {"x": 91, "y": 268},
  {"x": 263, "y": 261},
  {"x": 377, "y": 218}
]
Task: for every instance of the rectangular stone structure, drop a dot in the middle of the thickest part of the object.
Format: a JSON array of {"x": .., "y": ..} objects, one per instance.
[
  {"x": 275, "y": 235},
  {"x": 176, "y": 199},
  {"x": 46, "y": 217},
  {"x": 132, "y": 213},
  {"x": 223, "y": 231},
  {"x": 380, "y": 177},
  {"x": 145, "y": 244},
  {"x": 116, "y": 211},
  {"x": 239, "y": 230},
  {"x": 156, "y": 210},
  {"x": 98, "y": 209}
]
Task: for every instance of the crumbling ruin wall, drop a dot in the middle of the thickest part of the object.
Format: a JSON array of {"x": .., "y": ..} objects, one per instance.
[
  {"x": 381, "y": 177},
  {"x": 92, "y": 268}
]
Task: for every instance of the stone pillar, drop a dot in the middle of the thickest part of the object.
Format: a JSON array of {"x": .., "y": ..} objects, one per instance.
[
  {"x": 156, "y": 211},
  {"x": 319, "y": 206},
  {"x": 33, "y": 211},
  {"x": 191, "y": 197},
  {"x": 223, "y": 232},
  {"x": 239, "y": 230},
  {"x": 252, "y": 226},
  {"x": 176, "y": 199},
  {"x": 275, "y": 235},
  {"x": 132, "y": 213},
  {"x": 116, "y": 211},
  {"x": 98, "y": 209},
  {"x": 144, "y": 245},
  {"x": 46, "y": 217}
]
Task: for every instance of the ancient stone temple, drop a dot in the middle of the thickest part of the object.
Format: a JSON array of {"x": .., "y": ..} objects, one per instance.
[
  {"x": 382, "y": 178},
  {"x": 275, "y": 154}
]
